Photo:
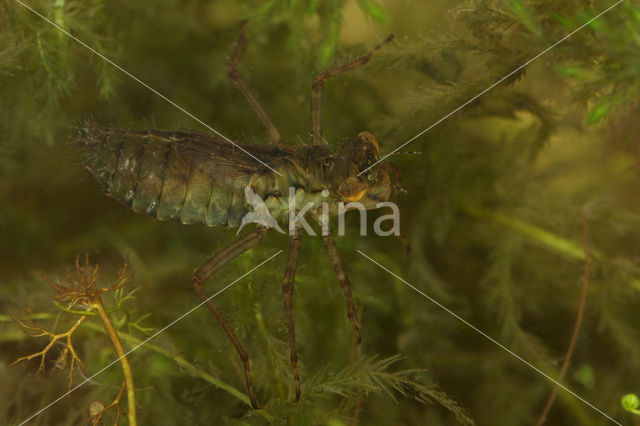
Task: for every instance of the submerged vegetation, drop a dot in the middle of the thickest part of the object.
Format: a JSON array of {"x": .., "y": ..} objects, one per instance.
[{"x": 521, "y": 215}]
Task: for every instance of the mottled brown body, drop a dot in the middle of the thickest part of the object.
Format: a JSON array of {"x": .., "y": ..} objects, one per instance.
[
  {"x": 191, "y": 177},
  {"x": 194, "y": 178}
]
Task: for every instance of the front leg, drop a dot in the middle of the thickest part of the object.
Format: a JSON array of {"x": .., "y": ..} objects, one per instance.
[
  {"x": 338, "y": 267},
  {"x": 287, "y": 294},
  {"x": 317, "y": 90},
  {"x": 206, "y": 271}
]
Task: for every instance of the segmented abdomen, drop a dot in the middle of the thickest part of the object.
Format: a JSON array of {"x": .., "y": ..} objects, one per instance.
[{"x": 142, "y": 170}]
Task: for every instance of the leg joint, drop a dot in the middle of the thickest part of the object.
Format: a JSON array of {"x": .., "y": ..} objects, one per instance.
[
  {"x": 318, "y": 82},
  {"x": 232, "y": 71}
]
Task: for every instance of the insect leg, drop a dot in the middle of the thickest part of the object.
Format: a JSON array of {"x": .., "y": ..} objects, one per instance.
[
  {"x": 248, "y": 94},
  {"x": 206, "y": 271},
  {"x": 317, "y": 90},
  {"x": 287, "y": 293},
  {"x": 338, "y": 267}
]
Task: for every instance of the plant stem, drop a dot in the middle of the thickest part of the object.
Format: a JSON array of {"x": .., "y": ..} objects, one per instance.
[
  {"x": 576, "y": 327},
  {"x": 552, "y": 241},
  {"x": 182, "y": 362},
  {"x": 124, "y": 362},
  {"x": 133, "y": 341}
]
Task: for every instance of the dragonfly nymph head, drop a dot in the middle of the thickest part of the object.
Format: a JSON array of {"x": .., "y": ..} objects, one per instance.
[{"x": 356, "y": 155}]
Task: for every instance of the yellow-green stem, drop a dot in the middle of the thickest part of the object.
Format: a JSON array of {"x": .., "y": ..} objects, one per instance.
[
  {"x": 133, "y": 341},
  {"x": 124, "y": 362}
]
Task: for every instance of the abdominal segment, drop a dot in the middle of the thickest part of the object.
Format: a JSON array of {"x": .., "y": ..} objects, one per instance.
[{"x": 142, "y": 170}]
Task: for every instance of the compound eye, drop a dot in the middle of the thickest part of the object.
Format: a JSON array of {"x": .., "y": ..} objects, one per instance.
[
  {"x": 327, "y": 162},
  {"x": 370, "y": 177}
]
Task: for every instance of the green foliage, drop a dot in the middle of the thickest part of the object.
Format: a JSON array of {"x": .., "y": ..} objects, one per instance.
[
  {"x": 493, "y": 215},
  {"x": 294, "y": 15},
  {"x": 374, "y": 10},
  {"x": 631, "y": 403},
  {"x": 368, "y": 375}
]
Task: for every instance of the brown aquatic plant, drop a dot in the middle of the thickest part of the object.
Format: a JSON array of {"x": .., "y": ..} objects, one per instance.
[{"x": 80, "y": 295}]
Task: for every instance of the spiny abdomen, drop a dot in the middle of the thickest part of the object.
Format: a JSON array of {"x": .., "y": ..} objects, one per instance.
[{"x": 142, "y": 170}]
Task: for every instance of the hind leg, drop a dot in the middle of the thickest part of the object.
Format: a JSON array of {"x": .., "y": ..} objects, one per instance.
[{"x": 206, "y": 271}]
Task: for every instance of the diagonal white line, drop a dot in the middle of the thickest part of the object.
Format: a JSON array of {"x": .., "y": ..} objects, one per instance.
[
  {"x": 147, "y": 86},
  {"x": 149, "y": 338},
  {"x": 492, "y": 86},
  {"x": 467, "y": 323}
]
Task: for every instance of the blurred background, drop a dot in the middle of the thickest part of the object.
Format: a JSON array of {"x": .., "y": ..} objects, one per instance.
[{"x": 498, "y": 206}]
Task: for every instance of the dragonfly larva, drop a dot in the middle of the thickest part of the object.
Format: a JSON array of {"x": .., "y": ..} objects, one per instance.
[{"x": 196, "y": 178}]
